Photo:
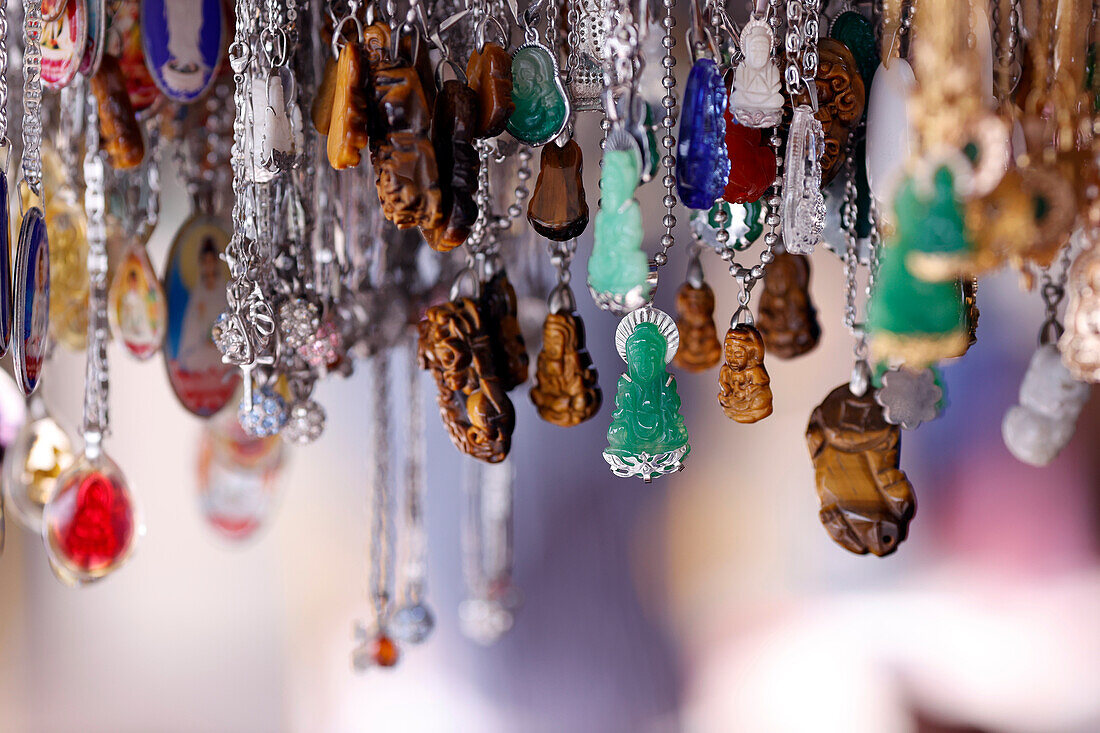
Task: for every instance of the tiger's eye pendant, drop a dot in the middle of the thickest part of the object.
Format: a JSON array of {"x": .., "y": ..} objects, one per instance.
[
  {"x": 558, "y": 208},
  {"x": 866, "y": 500},
  {"x": 489, "y": 71},
  {"x": 744, "y": 387},
  {"x": 699, "y": 348},
  {"x": 647, "y": 437},
  {"x": 788, "y": 319},
  {"x": 347, "y": 127},
  {"x": 567, "y": 386}
]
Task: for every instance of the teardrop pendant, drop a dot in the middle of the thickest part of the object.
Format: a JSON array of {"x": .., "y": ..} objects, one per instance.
[{"x": 137, "y": 304}]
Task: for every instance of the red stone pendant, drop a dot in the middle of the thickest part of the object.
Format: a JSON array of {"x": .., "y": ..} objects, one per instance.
[
  {"x": 89, "y": 524},
  {"x": 752, "y": 163}
]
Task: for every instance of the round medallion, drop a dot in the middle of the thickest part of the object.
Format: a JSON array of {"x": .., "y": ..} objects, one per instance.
[
  {"x": 31, "y": 321},
  {"x": 95, "y": 38},
  {"x": 63, "y": 42},
  {"x": 124, "y": 43}
]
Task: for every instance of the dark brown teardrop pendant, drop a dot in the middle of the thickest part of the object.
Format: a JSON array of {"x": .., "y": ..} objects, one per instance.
[{"x": 558, "y": 209}]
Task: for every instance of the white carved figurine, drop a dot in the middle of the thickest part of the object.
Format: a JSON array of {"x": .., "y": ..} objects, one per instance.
[
  {"x": 1037, "y": 429},
  {"x": 1080, "y": 344},
  {"x": 757, "y": 99}
]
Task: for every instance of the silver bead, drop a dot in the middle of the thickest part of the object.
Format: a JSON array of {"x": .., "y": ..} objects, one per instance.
[
  {"x": 668, "y": 221},
  {"x": 667, "y": 240},
  {"x": 757, "y": 272},
  {"x": 722, "y": 236},
  {"x": 660, "y": 259},
  {"x": 668, "y": 161},
  {"x": 669, "y": 201},
  {"x": 514, "y": 211},
  {"x": 668, "y": 181},
  {"x": 668, "y": 141}
]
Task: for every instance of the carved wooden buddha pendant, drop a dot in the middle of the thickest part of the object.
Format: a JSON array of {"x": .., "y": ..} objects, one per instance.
[
  {"x": 788, "y": 319},
  {"x": 453, "y": 126},
  {"x": 699, "y": 347},
  {"x": 499, "y": 309},
  {"x": 348, "y": 114},
  {"x": 567, "y": 386},
  {"x": 744, "y": 387}
]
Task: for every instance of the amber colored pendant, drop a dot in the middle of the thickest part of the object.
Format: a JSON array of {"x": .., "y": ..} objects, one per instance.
[
  {"x": 500, "y": 310},
  {"x": 866, "y": 500},
  {"x": 453, "y": 125},
  {"x": 475, "y": 408},
  {"x": 119, "y": 128},
  {"x": 744, "y": 387},
  {"x": 490, "y": 73},
  {"x": 699, "y": 347},
  {"x": 788, "y": 319},
  {"x": 347, "y": 129},
  {"x": 320, "y": 112},
  {"x": 567, "y": 386},
  {"x": 67, "y": 225},
  {"x": 558, "y": 208},
  {"x": 136, "y": 304}
]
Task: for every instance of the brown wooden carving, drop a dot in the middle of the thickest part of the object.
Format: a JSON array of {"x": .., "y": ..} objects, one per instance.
[
  {"x": 490, "y": 75},
  {"x": 788, "y": 319},
  {"x": 475, "y": 408},
  {"x": 349, "y": 116},
  {"x": 567, "y": 386},
  {"x": 119, "y": 128},
  {"x": 841, "y": 98},
  {"x": 452, "y": 137},
  {"x": 699, "y": 348},
  {"x": 321, "y": 109},
  {"x": 866, "y": 500},
  {"x": 744, "y": 387}
]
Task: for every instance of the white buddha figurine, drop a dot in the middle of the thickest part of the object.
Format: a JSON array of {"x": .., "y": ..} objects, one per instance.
[
  {"x": 757, "y": 99},
  {"x": 1043, "y": 422}
]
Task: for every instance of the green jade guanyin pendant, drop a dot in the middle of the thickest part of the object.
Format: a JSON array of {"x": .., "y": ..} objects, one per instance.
[
  {"x": 647, "y": 437},
  {"x": 618, "y": 268},
  {"x": 542, "y": 105},
  {"x": 911, "y": 320}
]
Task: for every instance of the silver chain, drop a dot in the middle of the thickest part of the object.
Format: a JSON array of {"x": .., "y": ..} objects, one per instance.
[
  {"x": 32, "y": 96},
  {"x": 668, "y": 139},
  {"x": 572, "y": 39},
  {"x": 4, "y": 142},
  {"x": 379, "y": 578},
  {"x": 96, "y": 384},
  {"x": 415, "y": 565}
]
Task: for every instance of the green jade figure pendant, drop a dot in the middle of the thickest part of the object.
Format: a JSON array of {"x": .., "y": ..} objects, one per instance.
[
  {"x": 542, "y": 105},
  {"x": 647, "y": 437},
  {"x": 912, "y": 320},
  {"x": 618, "y": 270}
]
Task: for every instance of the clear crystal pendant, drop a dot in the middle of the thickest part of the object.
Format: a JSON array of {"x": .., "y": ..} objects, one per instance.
[{"x": 803, "y": 202}]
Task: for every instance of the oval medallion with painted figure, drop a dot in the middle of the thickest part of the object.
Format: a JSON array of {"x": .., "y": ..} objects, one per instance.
[
  {"x": 31, "y": 321},
  {"x": 183, "y": 41},
  {"x": 63, "y": 41},
  {"x": 136, "y": 304}
]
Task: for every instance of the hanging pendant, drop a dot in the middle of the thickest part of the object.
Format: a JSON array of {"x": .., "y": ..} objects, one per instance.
[
  {"x": 890, "y": 137},
  {"x": 1039, "y": 427},
  {"x": 63, "y": 42},
  {"x": 453, "y": 127},
  {"x": 744, "y": 387},
  {"x": 500, "y": 315},
  {"x": 647, "y": 437},
  {"x": 857, "y": 33},
  {"x": 67, "y": 226},
  {"x": 90, "y": 524},
  {"x": 124, "y": 43},
  {"x": 237, "y": 477},
  {"x": 194, "y": 285},
  {"x": 6, "y": 304},
  {"x": 542, "y": 105},
  {"x": 558, "y": 209},
  {"x": 347, "y": 119},
  {"x": 489, "y": 71},
  {"x": 473, "y": 403},
  {"x": 95, "y": 39},
  {"x": 38, "y": 455},
  {"x": 31, "y": 324},
  {"x": 803, "y": 214},
  {"x": 699, "y": 348},
  {"x": 744, "y": 223},
  {"x": 787, "y": 316},
  {"x": 866, "y": 500},
  {"x": 702, "y": 165},
  {"x": 841, "y": 101},
  {"x": 275, "y": 124},
  {"x": 136, "y": 304},
  {"x": 757, "y": 98},
  {"x": 183, "y": 41},
  {"x": 618, "y": 270},
  {"x": 567, "y": 386},
  {"x": 1080, "y": 344},
  {"x": 911, "y": 319},
  {"x": 121, "y": 132},
  {"x": 752, "y": 163}
]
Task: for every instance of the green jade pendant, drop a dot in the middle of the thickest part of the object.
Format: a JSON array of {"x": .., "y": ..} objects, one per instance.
[
  {"x": 618, "y": 268},
  {"x": 542, "y": 106},
  {"x": 910, "y": 320},
  {"x": 647, "y": 437}
]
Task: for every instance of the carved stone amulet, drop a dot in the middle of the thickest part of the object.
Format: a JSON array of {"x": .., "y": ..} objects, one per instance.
[
  {"x": 567, "y": 386},
  {"x": 348, "y": 118},
  {"x": 117, "y": 120},
  {"x": 788, "y": 319},
  {"x": 841, "y": 98},
  {"x": 744, "y": 387},
  {"x": 866, "y": 500},
  {"x": 490, "y": 73},
  {"x": 699, "y": 347},
  {"x": 475, "y": 409},
  {"x": 558, "y": 208},
  {"x": 452, "y": 137}
]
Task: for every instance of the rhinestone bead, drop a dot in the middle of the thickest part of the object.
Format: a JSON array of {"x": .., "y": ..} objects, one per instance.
[
  {"x": 267, "y": 416},
  {"x": 305, "y": 422},
  {"x": 298, "y": 322}
]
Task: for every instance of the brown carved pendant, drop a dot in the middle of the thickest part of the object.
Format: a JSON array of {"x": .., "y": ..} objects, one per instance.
[
  {"x": 567, "y": 386},
  {"x": 499, "y": 306},
  {"x": 118, "y": 123},
  {"x": 475, "y": 408},
  {"x": 788, "y": 319},
  {"x": 348, "y": 118},
  {"x": 699, "y": 348},
  {"x": 866, "y": 500},
  {"x": 404, "y": 159},
  {"x": 452, "y": 137},
  {"x": 558, "y": 208},
  {"x": 744, "y": 387},
  {"x": 320, "y": 112},
  {"x": 841, "y": 98},
  {"x": 490, "y": 73}
]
